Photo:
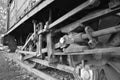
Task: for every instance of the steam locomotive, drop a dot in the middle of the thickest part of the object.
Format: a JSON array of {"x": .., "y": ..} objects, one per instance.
[{"x": 81, "y": 37}]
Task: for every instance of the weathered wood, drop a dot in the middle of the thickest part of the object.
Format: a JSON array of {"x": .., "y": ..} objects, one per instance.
[{"x": 31, "y": 13}]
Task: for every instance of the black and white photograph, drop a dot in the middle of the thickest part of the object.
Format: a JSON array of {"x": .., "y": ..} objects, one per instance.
[{"x": 59, "y": 39}]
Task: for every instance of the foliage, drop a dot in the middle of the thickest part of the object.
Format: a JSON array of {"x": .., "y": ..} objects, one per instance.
[{"x": 3, "y": 16}]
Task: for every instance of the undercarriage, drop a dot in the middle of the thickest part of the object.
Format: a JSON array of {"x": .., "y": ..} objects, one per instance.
[{"x": 83, "y": 40}]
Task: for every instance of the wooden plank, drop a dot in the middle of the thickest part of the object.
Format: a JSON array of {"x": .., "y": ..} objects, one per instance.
[
  {"x": 31, "y": 13},
  {"x": 72, "y": 12}
]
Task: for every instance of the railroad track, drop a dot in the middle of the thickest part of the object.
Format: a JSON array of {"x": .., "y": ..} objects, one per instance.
[{"x": 46, "y": 73}]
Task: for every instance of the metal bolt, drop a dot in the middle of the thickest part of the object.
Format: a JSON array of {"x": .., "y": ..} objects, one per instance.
[{"x": 85, "y": 75}]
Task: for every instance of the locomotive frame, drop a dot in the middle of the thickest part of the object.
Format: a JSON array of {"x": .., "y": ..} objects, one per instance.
[{"x": 43, "y": 47}]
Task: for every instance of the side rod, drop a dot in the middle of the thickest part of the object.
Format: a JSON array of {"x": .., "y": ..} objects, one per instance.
[{"x": 68, "y": 39}]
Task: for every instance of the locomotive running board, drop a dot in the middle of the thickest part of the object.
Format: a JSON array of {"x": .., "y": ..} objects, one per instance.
[{"x": 112, "y": 51}]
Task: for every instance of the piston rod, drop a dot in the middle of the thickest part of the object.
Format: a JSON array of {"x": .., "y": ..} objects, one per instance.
[{"x": 71, "y": 38}]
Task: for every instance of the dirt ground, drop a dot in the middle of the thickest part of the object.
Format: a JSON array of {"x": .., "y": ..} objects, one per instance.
[{"x": 9, "y": 70}]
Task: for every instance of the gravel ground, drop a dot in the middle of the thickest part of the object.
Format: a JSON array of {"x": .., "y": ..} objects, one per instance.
[
  {"x": 9, "y": 70},
  {"x": 60, "y": 75}
]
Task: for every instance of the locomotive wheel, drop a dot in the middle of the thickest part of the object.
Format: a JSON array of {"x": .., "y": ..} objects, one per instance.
[
  {"x": 12, "y": 44},
  {"x": 110, "y": 70},
  {"x": 27, "y": 60},
  {"x": 89, "y": 74},
  {"x": 103, "y": 69}
]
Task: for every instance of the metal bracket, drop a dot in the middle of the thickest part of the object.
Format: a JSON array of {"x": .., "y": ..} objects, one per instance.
[
  {"x": 114, "y": 3},
  {"x": 92, "y": 42},
  {"x": 39, "y": 44}
]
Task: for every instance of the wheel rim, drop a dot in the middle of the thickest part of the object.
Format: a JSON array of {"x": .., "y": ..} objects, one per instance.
[
  {"x": 28, "y": 61},
  {"x": 110, "y": 71}
]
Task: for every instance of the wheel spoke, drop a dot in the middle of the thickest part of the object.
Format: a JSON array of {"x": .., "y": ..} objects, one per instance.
[
  {"x": 115, "y": 65},
  {"x": 110, "y": 73}
]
